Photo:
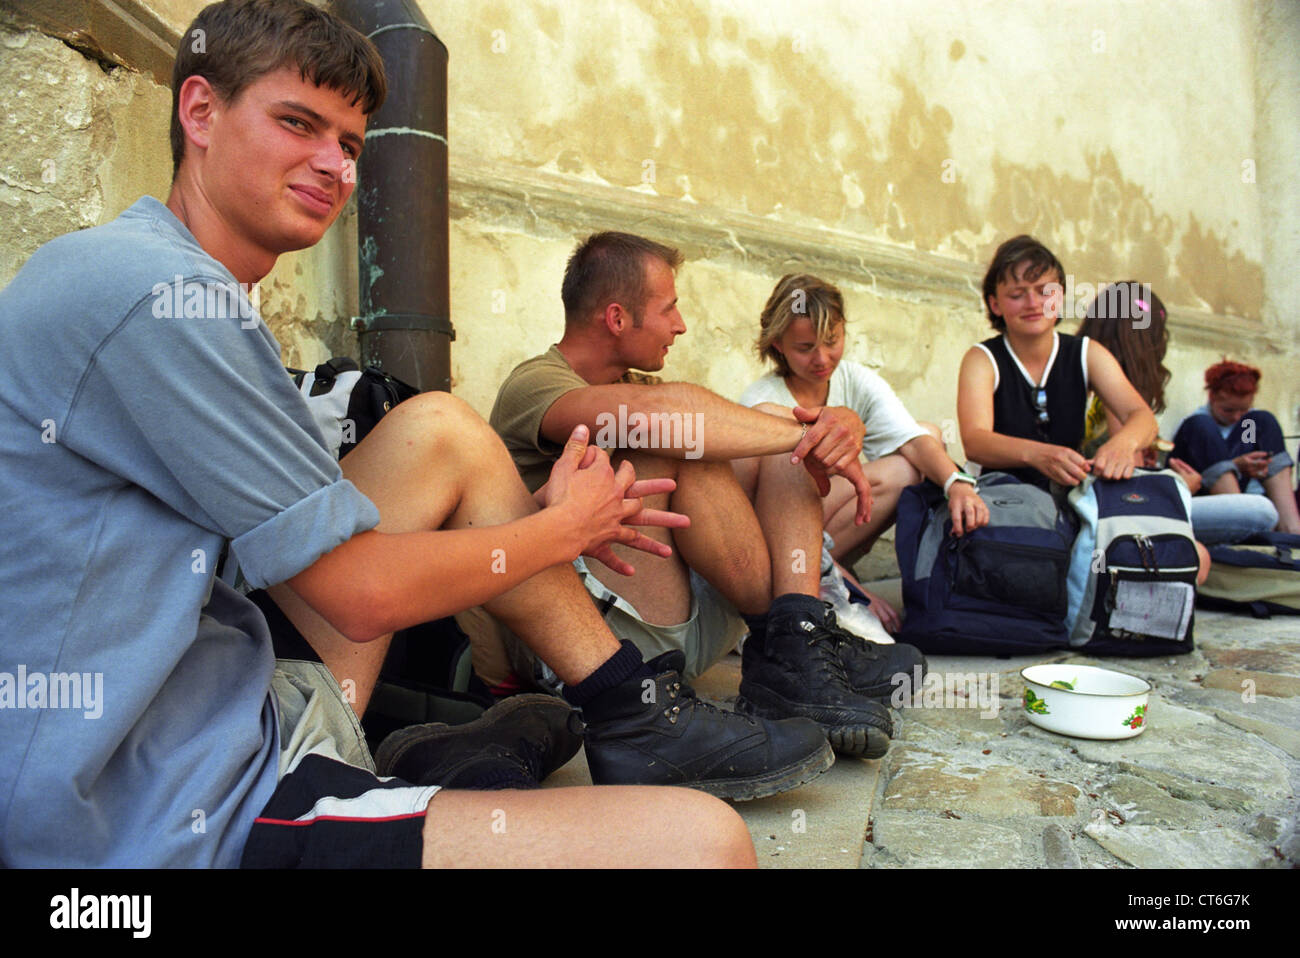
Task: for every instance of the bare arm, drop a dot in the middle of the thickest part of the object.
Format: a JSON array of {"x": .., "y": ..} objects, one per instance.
[
  {"x": 729, "y": 431},
  {"x": 376, "y": 583},
  {"x": 929, "y": 457},
  {"x": 830, "y": 444},
  {"x": 967, "y": 509},
  {"x": 993, "y": 450}
]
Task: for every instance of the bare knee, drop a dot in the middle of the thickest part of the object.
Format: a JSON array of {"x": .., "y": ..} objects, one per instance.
[
  {"x": 442, "y": 425},
  {"x": 713, "y": 480},
  {"x": 648, "y": 465},
  {"x": 932, "y": 429},
  {"x": 701, "y": 470},
  {"x": 438, "y": 408},
  {"x": 717, "y": 834},
  {"x": 890, "y": 474},
  {"x": 1226, "y": 484},
  {"x": 1203, "y": 570}
]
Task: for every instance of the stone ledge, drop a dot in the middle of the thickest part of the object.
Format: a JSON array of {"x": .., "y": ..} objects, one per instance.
[
  {"x": 542, "y": 201},
  {"x": 118, "y": 32}
]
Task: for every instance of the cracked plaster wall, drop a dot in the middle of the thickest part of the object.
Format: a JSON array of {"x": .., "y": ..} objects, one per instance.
[
  {"x": 79, "y": 144},
  {"x": 1149, "y": 141},
  {"x": 890, "y": 147}
]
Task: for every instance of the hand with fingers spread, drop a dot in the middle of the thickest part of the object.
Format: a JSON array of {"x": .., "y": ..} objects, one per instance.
[{"x": 606, "y": 505}]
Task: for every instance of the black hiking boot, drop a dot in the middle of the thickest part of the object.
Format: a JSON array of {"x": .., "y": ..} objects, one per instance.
[
  {"x": 872, "y": 669},
  {"x": 796, "y": 669},
  {"x": 659, "y": 733},
  {"x": 514, "y": 744}
]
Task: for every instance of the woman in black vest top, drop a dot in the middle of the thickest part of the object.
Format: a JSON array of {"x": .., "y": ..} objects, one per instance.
[{"x": 1021, "y": 396}]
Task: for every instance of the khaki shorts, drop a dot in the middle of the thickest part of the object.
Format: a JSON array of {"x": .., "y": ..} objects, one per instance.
[
  {"x": 711, "y": 631},
  {"x": 315, "y": 718}
]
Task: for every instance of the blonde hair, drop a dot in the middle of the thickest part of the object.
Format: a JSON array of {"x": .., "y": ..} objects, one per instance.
[{"x": 797, "y": 296}]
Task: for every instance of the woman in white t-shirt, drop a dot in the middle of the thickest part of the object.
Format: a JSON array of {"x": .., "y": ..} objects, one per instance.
[{"x": 802, "y": 335}]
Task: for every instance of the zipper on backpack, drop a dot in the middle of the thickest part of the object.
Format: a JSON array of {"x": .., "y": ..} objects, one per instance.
[{"x": 1132, "y": 568}]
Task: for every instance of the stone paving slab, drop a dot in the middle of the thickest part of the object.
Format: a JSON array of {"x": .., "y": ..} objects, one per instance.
[
  {"x": 1211, "y": 782},
  {"x": 822, "y": 824}
]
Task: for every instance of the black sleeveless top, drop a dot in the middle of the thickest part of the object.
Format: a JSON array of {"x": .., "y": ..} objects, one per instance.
[{"x": 1017, "y": 412}]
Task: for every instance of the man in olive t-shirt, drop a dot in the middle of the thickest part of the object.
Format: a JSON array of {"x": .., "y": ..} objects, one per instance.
[{"x": 750, "y": 480}]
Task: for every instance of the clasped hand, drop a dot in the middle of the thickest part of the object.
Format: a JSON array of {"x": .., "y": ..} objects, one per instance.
[{"x": 605, "y": 503}]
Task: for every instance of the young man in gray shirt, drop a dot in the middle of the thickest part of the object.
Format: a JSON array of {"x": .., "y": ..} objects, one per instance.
[{"x": 145, "y": 419}]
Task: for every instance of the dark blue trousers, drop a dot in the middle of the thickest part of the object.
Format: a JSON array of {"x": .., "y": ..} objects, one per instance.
[{"x": 1199, "y": 443}]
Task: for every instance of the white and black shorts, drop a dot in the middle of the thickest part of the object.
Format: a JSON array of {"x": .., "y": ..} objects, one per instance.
[{"x": 330, "y": 809}]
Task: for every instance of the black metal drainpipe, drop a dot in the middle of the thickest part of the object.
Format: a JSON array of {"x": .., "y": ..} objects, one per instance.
[{"x": 402, "y": 244}]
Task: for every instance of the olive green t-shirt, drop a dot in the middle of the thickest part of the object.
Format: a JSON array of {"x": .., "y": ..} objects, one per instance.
[{"x": 521, "y": 404}]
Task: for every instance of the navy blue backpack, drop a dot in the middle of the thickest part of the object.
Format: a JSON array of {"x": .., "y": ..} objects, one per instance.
[
  {"x": 1260, "y": 575},
  {"x": 1000, "y": 590}
]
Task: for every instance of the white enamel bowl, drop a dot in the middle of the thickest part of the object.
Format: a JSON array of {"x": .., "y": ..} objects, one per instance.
[{"x": 1102, "y": 704}]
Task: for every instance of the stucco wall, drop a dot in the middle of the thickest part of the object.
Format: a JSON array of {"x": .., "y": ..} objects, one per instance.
[{"x": 889, "y": 147}]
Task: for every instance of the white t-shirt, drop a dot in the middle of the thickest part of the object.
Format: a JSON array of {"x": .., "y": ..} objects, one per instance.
[{"x": 888, "y": 423}]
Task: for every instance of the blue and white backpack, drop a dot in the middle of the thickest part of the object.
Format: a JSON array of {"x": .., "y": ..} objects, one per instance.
[{"x": 1132, "y": 581}]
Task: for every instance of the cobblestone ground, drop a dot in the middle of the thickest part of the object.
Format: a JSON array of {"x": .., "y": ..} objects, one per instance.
[{"x": 1211, "y": 783}]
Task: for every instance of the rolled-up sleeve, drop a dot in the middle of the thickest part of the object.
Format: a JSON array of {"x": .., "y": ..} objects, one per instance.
[
  {"x": 200, "y": 413},
  {"x": 292, "y": 540}
]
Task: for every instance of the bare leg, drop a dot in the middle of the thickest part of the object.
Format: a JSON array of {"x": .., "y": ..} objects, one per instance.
[
  {"x": 724, "y": 544},
  {"x": 1278, "y": 489},
  {"x": 1203, "y": 563},
  {"x": 789, "y": 510},
  {"x": 586, "y": 827},
  {"x": 432, "y": 463},
  {"x": 888, "y": 477},
  {"x": 661, "y": 589},
  {"x": 746, "y": 473},
  {"x": 1226, "y": 483}
]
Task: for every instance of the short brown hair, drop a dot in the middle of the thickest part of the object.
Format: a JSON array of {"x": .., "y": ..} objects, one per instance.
[
  {"x": 797, "y": 296},
  {"x": 236, "y": 42},
  {"x": 610, "y": 268},
  {"x": 1009, "y": 256}
]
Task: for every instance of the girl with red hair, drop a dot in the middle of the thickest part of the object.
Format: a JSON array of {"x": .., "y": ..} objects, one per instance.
[{"x": 1236, "y": 447}]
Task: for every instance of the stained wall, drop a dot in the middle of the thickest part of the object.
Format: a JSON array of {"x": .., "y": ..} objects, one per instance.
[{"x": 888, "y": 147}]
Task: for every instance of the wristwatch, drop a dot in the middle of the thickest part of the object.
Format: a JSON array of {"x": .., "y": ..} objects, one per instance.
[{"x": 958, "y": 476}]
